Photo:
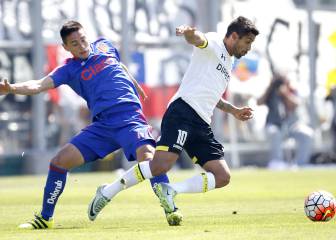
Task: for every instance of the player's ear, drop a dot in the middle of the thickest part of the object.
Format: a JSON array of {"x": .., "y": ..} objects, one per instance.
[{"x": 235, "y": 36}]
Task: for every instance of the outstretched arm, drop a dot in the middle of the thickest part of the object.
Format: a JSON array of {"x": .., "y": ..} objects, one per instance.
[
  {"x": 30, "y": 87},
  {"x": 243, "y": 113},
  {"x": 192, "y": 36},
  {"x": 136, "y": 84}
]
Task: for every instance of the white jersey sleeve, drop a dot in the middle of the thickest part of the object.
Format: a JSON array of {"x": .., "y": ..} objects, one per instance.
[{"x": 214, "y": 43}]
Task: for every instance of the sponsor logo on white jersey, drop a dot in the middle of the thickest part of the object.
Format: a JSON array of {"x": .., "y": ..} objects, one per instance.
[{"x": 222, "y": 69}]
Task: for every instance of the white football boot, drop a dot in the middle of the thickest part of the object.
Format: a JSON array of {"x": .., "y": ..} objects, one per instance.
[{"x": 97, "y": 203}]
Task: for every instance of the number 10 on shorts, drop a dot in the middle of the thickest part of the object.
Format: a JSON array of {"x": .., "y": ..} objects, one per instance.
[{"x": 182, "y": 137}]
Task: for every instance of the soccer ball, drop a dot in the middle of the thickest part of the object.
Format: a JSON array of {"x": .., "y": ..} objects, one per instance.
[{"x": 320, "y": 206}]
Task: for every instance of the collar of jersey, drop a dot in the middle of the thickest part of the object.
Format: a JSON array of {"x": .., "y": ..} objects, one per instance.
[{"x": 84, "y": 61}]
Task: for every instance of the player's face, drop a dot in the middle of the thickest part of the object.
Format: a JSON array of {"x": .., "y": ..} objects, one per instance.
[
  {"x": 77, "y": 44},
  {"x": 243, "y": 45}
]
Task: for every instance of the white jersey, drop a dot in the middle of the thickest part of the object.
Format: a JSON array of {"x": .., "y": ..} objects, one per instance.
[{"x": 207, "y": 77}]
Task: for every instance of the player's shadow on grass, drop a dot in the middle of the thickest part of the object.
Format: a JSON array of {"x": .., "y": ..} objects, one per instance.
[
  {"x": 68, "y": 227},
  {"x": 72, "y": 225},
  {"x": 87, "y": 225}
]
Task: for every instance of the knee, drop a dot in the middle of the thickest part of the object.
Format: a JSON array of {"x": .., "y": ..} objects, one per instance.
[
  {"x": 222, "y": 179},
  {"x": 61, "y": 162},
  {"x": 145, "y": 152},
  {"x": 57, "y": 161}
]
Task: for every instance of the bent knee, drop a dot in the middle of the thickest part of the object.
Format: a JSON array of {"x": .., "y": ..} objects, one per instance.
[
  {"x": 145, "y": 152},
  {"x": 58, "y": 161},
  {"x": 222, "y": 179},
  {"x": 68, "y": 157},
  {"x": 62, "y": 162}
]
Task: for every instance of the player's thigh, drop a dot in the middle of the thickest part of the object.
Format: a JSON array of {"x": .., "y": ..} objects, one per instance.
[
  {"x": 68, "y": 157},
  {"x": 175, "y": 136},
  {"x": 220, "y": 170},
  {"x": 206, "y": 151},
  {"x": 204, "y": 147},
  {"x": 95, "y": 141}
]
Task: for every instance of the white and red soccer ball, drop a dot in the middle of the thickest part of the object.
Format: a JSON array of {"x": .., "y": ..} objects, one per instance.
[{"x": 320, "y": 206}]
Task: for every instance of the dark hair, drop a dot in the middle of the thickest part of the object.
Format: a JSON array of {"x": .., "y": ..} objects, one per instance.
[
  {"x": 242, "y": 26},
  {"x": 68, "y": 28}
]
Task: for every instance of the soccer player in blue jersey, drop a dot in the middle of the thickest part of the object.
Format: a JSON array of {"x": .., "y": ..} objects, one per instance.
[{"x": 97, "y": 75}]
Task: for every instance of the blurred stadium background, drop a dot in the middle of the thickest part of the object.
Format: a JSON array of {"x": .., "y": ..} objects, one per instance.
[{"x": 297, "y": 37}]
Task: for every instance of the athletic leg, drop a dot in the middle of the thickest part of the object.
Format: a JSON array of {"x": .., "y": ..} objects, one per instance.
[
  {"x": 68, "y": 157},
  {"x": 145, "y": 153},
  {"x": 133, "y": 176},
  {"x": 136, "y": 174},
  {"x": 161, "y": 163},
  {"x": 87, "y": 146}
]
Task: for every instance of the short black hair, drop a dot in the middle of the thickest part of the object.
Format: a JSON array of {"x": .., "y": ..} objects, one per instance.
[
  {"x": 68, "y": 28},
  {"x": 242, "y": 26}
]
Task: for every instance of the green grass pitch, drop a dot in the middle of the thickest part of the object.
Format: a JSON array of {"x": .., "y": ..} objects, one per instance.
[{"x": 258, "y": 204}]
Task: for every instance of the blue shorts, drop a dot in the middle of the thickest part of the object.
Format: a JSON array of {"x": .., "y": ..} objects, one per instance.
[{"x": 109, "y": 132}]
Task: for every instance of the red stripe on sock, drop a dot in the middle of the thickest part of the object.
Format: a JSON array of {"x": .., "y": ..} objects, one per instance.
[{"x": 57, "y": 169}]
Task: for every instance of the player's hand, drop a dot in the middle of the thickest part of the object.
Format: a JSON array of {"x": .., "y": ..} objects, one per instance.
[
  {"x": 185, "y": 30},
  {"x": 243, "y": 114},
  {"x": 5, "y": 87}
]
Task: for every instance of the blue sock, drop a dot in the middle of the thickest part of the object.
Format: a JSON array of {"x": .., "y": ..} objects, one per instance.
[
  {"x": 158, "y": 179},
  {"x": 53, "y": 189}
]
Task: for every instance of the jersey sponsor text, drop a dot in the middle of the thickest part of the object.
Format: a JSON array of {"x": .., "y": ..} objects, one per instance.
[
  {"x": 222, "y": 69},
  {"x": 55, "y": 193}
]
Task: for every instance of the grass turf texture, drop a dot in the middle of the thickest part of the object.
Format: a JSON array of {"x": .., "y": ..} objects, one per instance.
[{"x": 258, "y": 204}]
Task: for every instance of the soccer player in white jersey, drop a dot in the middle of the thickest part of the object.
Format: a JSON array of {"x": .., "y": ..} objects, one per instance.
[{"x": 186, "y": 123}]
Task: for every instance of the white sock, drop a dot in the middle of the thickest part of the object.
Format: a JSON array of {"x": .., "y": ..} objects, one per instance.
[
  {"x": 145, "y": 169},
  {"x": 133, "y": 176},
  {"x": 200, "y": 183}
]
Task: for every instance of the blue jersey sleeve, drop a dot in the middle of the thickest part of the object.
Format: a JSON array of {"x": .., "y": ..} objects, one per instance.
[{"x": 60, "y": 75}]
